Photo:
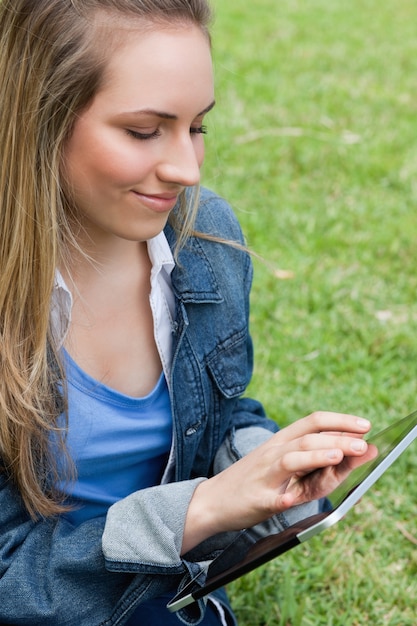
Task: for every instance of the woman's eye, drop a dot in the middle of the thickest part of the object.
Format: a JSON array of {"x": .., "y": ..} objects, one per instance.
[
  {"x": 198, "y": 130},
  {"x": 194, "y": 130},
  {"x": 143, "y": 136}
]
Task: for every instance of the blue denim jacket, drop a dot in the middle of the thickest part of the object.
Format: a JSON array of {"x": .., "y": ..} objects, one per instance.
[{"x": 55, "y": 574}]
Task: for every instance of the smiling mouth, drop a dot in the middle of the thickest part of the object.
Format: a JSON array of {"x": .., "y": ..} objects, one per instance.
[{"x": 160, "y": 203}]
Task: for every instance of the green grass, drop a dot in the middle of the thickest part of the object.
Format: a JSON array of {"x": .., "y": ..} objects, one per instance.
[{"x": 314, "y": 143}]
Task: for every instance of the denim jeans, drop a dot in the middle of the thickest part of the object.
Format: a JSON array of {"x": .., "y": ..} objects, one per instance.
[{"x": 154, "y": 612}]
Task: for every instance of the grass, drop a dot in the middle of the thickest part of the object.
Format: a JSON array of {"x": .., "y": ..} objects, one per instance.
[{"x": 314, "y": 143}]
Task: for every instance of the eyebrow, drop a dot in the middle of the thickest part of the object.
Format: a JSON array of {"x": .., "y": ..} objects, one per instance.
[{"x": 167, "y": 116}]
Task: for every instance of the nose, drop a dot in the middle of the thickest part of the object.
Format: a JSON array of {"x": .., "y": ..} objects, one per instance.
[{"x": 181, "y": 161}]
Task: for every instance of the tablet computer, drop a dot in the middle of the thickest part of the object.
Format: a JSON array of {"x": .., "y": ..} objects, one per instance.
[{"x": 246, "y": 552}]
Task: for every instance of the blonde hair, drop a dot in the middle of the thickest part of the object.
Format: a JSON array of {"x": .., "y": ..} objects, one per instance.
[{"x": 51, "y": 65}]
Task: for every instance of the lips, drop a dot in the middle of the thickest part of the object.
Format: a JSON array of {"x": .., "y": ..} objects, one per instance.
[{"x": 160, "y": 203}]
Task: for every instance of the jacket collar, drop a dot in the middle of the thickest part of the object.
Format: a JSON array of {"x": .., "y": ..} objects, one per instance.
[{"x": 193, "y": 278}]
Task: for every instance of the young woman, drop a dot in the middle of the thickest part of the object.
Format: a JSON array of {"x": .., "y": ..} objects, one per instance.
[{"x": 127, "y": 449}]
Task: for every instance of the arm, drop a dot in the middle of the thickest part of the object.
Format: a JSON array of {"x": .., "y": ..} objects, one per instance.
[
  {"x": 303, "y": 462},
  {"x": 280, "y": 474},
  {"x": 50, "y": 572}
]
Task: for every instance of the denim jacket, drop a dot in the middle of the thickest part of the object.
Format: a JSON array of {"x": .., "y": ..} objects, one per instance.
[{"x": 56, "y": 574}]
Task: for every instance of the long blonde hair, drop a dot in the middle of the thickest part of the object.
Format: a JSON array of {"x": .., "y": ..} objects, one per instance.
[{"x": 51, "y": 65}]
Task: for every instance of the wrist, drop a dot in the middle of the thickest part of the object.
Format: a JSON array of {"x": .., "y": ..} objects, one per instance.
[{"x": 202, "y": 520}]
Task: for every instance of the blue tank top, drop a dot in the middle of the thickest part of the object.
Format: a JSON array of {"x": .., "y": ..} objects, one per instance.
[{"x": 119, "y": 444}]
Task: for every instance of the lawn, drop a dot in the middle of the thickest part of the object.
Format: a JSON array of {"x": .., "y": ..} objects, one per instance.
[{"x": 314, "y": 143}]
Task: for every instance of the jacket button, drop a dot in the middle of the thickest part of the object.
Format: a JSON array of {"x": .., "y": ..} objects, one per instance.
[{"x": 193, "y": 429}]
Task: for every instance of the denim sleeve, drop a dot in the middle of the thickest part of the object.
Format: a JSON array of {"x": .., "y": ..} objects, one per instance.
[
  {"x": 144, "y": 532},
  {"x": 55, "y": 574},
  {"x": 52, "y": 573}
]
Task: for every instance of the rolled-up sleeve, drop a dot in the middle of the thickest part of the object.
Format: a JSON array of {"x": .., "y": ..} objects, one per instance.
[{"x": 144, "y": 531}]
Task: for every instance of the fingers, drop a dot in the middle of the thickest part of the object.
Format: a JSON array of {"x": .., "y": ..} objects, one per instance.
[
  {"x": 370, "y": 454},
  {"x": 348, "y": 443},
  {"x": 323, "y": 421},
  {"x": 307, "y": 461},
  {"x": 331, "y": 469},
  {"x": 312, "y": 451}
]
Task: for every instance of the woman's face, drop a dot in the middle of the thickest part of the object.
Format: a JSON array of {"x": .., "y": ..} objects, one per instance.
[{"x": 140, "y": 142}]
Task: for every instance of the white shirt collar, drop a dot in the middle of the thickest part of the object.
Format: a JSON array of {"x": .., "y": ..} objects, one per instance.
[{"x": 160, "y": 254}]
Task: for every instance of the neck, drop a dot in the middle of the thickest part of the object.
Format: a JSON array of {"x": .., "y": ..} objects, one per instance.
[{"x": 120, "y": 261}]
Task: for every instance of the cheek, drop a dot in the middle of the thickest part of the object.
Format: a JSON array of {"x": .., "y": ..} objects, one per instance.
[{"x": 92, "y": 160}]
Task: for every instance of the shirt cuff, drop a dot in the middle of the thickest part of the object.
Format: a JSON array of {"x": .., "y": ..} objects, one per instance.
[{"x": 144, "y": 531}]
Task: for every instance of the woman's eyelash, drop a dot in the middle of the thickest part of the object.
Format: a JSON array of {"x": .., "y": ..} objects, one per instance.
[
  {"x": 198, "y": 130},
  {"x": 137, "y": 135}
]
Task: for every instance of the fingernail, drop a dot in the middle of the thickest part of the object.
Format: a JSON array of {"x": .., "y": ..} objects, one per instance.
[
  {"x": 363, "y": 423},
  {"x": 332, "y": 454},
  {"x": 358, "y": 445}
]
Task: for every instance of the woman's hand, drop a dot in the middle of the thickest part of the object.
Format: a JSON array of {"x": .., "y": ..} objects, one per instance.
[{"x": 304, "y": 461}]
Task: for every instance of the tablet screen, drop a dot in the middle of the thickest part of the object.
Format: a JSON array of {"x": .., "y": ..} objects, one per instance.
[{"x": 385, "y": 441}]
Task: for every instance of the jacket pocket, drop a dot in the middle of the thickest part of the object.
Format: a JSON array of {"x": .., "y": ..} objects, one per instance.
[{"x": 230, "y": 364}]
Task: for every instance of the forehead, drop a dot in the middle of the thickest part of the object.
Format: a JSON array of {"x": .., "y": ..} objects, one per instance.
[{"x": 159, "y": 63}]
